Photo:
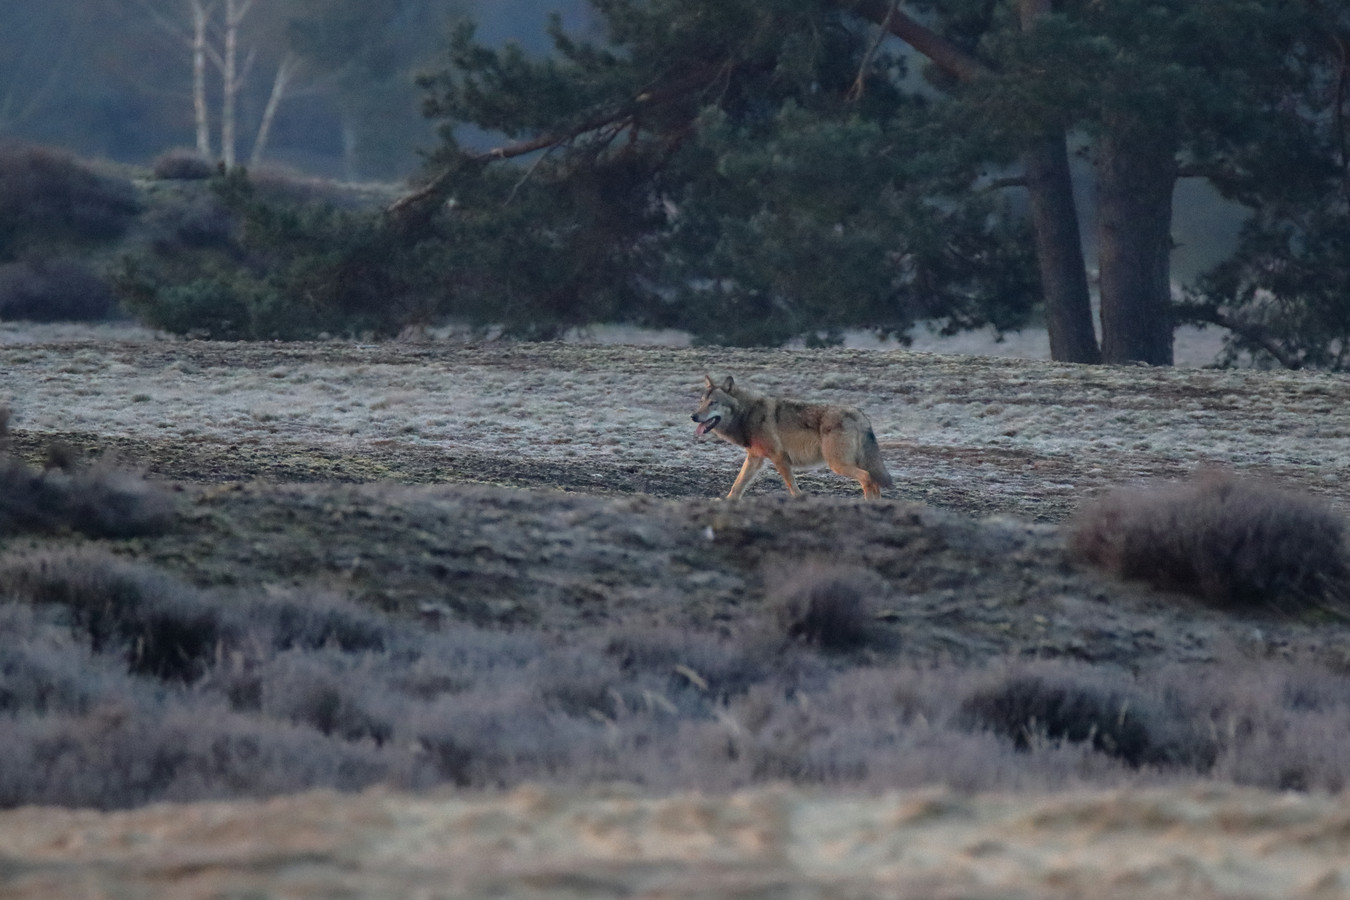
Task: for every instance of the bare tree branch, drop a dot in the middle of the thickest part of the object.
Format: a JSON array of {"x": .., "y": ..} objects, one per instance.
[
  {"x": 946, "y": 55},
  {"x": 1251, "y": 332},
  {"x": 855, "y": 92}
]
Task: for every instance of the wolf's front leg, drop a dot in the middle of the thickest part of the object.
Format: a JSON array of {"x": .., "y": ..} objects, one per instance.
[{"x": 749, "y": 471}]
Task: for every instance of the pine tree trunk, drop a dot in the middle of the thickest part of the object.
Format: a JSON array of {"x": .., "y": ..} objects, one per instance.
[
  {"x": 1059, "y": 253},
  {"x": 1136, "y": 172},
  {"x": 1059, "y": 241}
]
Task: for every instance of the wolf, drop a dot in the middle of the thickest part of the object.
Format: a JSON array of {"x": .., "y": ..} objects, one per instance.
[{"x": 791, "y": 434}]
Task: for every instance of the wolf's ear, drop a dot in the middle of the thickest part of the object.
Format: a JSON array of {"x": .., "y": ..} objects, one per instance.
[
  {"x": 707, "y": 381},
  {"x": 728, "y": 385}
]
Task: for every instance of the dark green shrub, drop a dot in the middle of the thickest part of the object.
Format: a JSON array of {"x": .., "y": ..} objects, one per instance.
[
  {"x": 237, "y": 266},
  {"x": 200, "y": 308}
]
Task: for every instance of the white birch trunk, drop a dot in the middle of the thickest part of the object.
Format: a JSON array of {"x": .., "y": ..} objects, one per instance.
[
  {"x": 232, "y": 79},
  {"x": 199, "y": 109},
  {"x": 229, "y": 83},
  {"x": 285, "y": 70}
]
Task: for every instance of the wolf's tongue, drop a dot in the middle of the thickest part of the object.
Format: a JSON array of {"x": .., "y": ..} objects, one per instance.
[{"x": 701, "y": 429}]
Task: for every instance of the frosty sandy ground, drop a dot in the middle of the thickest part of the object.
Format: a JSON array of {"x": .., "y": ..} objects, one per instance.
[
  {"x": 965, "y": 419},
  {"x": 1163, "y": 845}
]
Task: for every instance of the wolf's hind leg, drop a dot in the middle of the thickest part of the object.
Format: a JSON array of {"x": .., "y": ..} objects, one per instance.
[{"x": 871, "y": 490}]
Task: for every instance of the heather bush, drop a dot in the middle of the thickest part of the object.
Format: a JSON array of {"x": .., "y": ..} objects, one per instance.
[
  {"x": 182, "y": 164},
  {"x": 102, "y": 500},
  {"x": 120, "y": 685},
  {"x": 161, "y": 628},
  {"x": 48, "y": 197},
  {"x": 1076, "y": 709},
  {"x": 53, "y": 290},
  {"x": 187, "y": 222},
  {"x": 1234, "y": 542},
  {"x": 828, "y": 606}
]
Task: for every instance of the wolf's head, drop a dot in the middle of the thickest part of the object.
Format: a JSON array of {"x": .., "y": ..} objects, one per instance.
[{"x": 717, "y": 405}]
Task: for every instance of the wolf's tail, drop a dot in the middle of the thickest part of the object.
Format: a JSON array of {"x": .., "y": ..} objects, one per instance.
[{"x": 873, "y": 463}]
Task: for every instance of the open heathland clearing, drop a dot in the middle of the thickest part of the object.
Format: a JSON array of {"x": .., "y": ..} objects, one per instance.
[{"x": 502, "y": 571}]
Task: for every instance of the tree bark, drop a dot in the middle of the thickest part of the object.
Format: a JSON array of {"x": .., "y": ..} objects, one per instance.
[
  {"x": 1136, "y": 173},
  {"x": 229, "y": 83},
  {"x": 232, "y": 79}
]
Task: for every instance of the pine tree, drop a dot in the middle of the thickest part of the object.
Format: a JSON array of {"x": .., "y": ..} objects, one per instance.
[
  {"x": 772, "y": 161},
  {"x": 752, "y": 172}
]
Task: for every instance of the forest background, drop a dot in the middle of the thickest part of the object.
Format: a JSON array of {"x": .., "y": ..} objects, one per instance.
[{"x": 750, "y": 173}]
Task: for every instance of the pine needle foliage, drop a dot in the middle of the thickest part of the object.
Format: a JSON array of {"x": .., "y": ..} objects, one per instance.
[{"x": 750, "y": 172}]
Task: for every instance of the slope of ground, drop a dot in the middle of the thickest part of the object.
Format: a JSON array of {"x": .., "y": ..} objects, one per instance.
[{"x": 560, "y": 487}]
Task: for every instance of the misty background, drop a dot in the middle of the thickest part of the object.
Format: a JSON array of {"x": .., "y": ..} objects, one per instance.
[{"x": 112, "y": 79}]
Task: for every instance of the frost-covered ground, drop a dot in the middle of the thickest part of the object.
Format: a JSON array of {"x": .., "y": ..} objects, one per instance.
[
  {"x": 979, "y": 434},
  {"x": 938, "y": 416}
]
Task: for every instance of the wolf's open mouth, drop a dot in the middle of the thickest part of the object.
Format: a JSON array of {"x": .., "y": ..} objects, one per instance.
[{"x": 706, "y": 425}]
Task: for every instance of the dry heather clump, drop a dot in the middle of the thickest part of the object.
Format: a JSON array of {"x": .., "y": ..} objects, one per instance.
[
  {"x": 1125, "y": 724},
  {"x": 1231, "y": 541},
  {"x": 102, "y": 500},
  {"x": 48, "y": 196},
  {"x": 182, "y": 164},
  {"x": 53, "y": 289},
  {"x": 827, "y": 606},
  {"x": 161, "y": 627}
]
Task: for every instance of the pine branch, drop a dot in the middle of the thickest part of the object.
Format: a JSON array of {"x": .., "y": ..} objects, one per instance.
[
  {"x": 1249, "y": 331},
  {"x": 856, "y": 91},
  {"x": 944, "y": 54},
  {"x": 411, "y": 209}
]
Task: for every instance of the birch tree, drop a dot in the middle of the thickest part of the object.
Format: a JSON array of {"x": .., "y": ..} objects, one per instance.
[{"x": 213, "y": 33}]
